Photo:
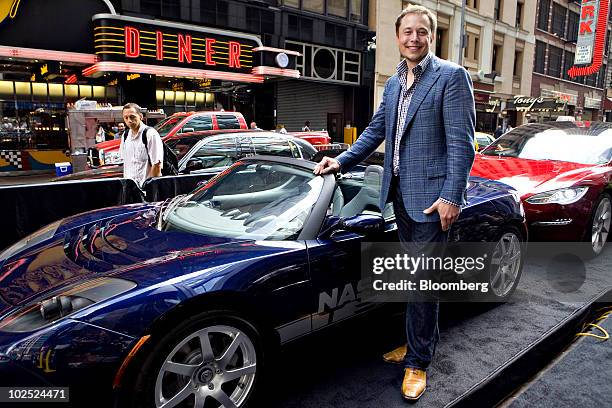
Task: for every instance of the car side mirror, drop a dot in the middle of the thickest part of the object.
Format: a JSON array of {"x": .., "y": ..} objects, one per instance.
[
  {"x": 363, "y": 224},
  {"x": 193, "y": 165}
]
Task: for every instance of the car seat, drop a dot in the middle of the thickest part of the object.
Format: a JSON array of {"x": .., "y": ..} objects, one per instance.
[{"x": 368, "y": 196}]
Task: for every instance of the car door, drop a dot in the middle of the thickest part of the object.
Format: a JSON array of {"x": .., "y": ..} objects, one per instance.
[{"x": 335, "y": 260}]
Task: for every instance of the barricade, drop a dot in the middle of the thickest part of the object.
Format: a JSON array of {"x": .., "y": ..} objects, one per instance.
[{"x": 26, "y": 208}]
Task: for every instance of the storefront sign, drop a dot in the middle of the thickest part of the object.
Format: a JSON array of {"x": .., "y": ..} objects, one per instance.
[
  {"x": 134, "y": 40},
  {"x": 541, "y": 104},
  {"x": 494, "y": 105},
  {"x": 591, "y": 37},
  {"x": 592, "y": 103}
]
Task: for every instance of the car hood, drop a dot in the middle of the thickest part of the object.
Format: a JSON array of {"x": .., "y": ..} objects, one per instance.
[
  {"x": 123, "y": 246},
  {"x": 532, "y": 176},
  {"x": 108, "y": 145}
]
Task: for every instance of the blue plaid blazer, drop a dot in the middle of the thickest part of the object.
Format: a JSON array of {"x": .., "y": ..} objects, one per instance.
[{"x": 437, "y": 147}]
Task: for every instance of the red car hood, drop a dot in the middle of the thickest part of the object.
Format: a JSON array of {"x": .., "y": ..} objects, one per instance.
[{"x": 533, "y": 176}]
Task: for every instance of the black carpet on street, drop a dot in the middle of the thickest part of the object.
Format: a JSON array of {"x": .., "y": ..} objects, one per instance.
[{"x": 342, "y": 367}]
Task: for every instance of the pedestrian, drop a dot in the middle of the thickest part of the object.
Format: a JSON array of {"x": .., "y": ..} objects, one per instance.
[
  {"x": 120, "y": 130},
  {"x": 509, "y": 128},
  {"x": 100, "y": 133},
  {"x": 281, "y": 129},
  {"x": 428, "y": 185},
  {"x": 498, "y": 132},
  {"x": 306, "y": 127},
  {"x": 254, "y": 126},
  {"x": 141, "y": 147}
]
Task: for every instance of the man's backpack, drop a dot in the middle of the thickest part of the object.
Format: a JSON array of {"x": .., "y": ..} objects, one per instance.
[{"x": 170, "y": 167}]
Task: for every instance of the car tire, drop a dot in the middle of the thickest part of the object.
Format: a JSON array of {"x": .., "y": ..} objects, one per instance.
[
  {"x": 505, "y": 266},
  {"x": 174, "y": 367},
  {"x": 598, "y": 228}
]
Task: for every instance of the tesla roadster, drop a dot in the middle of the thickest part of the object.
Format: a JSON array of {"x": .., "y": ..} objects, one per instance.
[{"x": 179, "y": 303}]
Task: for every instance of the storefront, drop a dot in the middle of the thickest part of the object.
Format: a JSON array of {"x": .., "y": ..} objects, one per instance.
[
  {"x": 522, "y": 109},
  {"x": 55, "y": 53}
]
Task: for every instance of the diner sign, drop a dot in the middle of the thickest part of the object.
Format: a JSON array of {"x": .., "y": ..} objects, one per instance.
[
  {"x": 591, "y": 38},
  {"x": 134, "y": 40}
]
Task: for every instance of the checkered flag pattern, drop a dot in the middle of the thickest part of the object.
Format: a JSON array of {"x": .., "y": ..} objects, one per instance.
[{"x": 13, "y": 157}]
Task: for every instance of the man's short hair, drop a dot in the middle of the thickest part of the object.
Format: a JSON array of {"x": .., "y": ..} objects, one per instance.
[
  {"x": 416, "y": 9},
  {"x": 132, "y": 105}
]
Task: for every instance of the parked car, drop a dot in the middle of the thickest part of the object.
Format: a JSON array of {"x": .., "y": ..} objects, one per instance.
[
  {"x": 182, "y": 300},
  {"x": 213, "y": 151},
  {"x": 563, "y": 173},
  {"x": 180, "y": 122},
  {"x": 315, "y": 138},
  {"x": 482, "y": 140}
]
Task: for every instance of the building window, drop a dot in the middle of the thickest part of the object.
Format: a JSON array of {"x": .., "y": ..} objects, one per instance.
[
  {"x": 471, "y": 52},
  {"x": 292, "y": 3},
  {"x": 316, "y": 6},
  {"x": 337, "y": 7},
  {"x": 214, "y": 12},
  {"x": 260, "y": 21},
  {"x": 572, "y": 26},
  {"x": 591, "y": 80},
  {"x": 518, "y": 64},
  {"x": 499, "y": 6},
  {"x": 442, "y": 43},
  {"x": 568, "y": 61},
  {"x": 558, "y": 21},
  {"x": 300, "y": 28},
  {"x": 473, "y": 4},
  {"x": 171, "y": 8},
  {"x": 496, "y": 63},
  {"x": 543, "y": 14},
  {"x": 335, "y": 35},
  {"x": 519, "y": 14},
  {"x": 600, "y": 78},
  {"x": 540, "y": 56},
  {"x": 355, "y": 11},
  {"x": 554, "y": 61}
]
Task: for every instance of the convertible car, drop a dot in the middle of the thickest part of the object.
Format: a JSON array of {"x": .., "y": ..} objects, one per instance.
[
  {"x": 563, "y": 172},
  {"x": 179, "y": 303}
]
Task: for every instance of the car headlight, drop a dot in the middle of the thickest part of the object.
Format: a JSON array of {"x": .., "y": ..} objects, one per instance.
[
  {"x": 54, "y": 307},
  {"x": 31, "y": 240},
  {"x": 561, "y": 196},
  {"x": 112, "y": 157}
]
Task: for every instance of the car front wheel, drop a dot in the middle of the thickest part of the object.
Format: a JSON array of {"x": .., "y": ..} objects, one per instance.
[{"x": 209, "y": 361}]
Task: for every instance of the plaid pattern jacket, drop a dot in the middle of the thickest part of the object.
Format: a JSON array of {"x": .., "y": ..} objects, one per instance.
[{"x": 437, "y": 148}]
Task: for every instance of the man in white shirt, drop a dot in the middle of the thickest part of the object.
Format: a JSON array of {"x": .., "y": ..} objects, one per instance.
[{"x": 140, "y": 160}]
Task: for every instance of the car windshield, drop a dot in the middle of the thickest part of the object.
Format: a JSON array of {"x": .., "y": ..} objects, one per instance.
[
  {"x": 253, "y": 200},
  {"x": 165, "y": 126},
  {"x": 567, "y": 142}
]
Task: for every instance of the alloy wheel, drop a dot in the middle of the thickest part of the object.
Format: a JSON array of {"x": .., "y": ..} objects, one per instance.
[
  {"x": 601, "y": 225},
  {"x": 505, "y": 264},
  {"x": 212, "y": 367}
]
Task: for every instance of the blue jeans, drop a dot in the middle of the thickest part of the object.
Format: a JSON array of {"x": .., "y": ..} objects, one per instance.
[{"x": 422, "y": 331}]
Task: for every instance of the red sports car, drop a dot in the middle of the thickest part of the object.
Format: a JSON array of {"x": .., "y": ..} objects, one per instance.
[{"x": 563, "y": 172}]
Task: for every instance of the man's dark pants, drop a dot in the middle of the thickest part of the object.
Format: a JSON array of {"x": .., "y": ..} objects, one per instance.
[{"x": 421, "y": 317}]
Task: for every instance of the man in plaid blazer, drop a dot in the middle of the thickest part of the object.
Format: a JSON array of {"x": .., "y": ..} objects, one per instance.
[{"x": 426, "y": 120}]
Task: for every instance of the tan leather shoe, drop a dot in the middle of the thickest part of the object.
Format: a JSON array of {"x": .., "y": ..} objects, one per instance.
[
  {"x": 414, "y": 384},
  {"x": 396, "y": 356}
]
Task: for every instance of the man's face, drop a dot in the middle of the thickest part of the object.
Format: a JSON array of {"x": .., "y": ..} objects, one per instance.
[
  {"x": 414, "y": 37},
  {"x": 121, "y": 126},
  {"x": 132, "y": 118}
]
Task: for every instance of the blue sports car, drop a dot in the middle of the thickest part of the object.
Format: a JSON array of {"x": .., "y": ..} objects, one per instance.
[{"x": 179, "y": 303}]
